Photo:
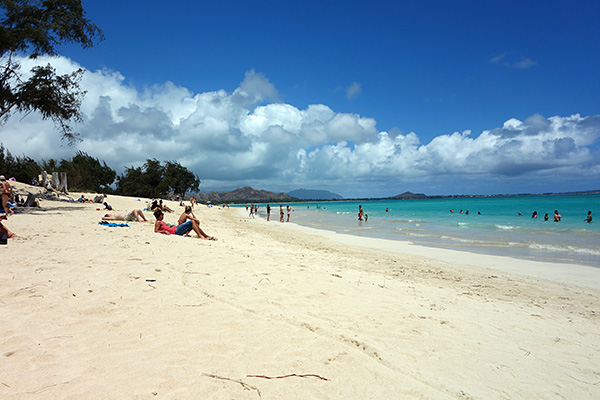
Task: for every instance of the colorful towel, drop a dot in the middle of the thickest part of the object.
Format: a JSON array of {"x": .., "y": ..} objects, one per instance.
[{"x": 111, "y": 224}]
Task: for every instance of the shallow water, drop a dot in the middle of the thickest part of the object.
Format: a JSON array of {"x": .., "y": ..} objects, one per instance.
[{"x": 491, "y": 226}]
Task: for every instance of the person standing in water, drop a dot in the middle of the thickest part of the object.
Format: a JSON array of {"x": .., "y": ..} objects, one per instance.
[
  {"x": 557, "y": 216},
  {"x": 588, "y": 219},
  {"x": 360, "y": 213}
]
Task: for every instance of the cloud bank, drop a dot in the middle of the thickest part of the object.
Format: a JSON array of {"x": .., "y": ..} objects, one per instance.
[{"x": 250, "y": 137}]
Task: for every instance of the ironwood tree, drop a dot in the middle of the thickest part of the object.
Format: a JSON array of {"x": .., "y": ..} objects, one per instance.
[{"x": 32, "y": 28}]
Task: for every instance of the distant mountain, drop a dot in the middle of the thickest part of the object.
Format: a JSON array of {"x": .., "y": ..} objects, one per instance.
[
  {"x": 243, "y": 195},
  {"x": 408, "y": 195},
  {"x": 309, "y": 194}
]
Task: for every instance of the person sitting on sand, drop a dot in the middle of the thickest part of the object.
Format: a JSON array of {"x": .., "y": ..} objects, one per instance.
[
  {"x": 4, "y": 232},
  {"x": 163, "y": 207},
  {"x": 588, "y": 219},
  {"x": 7, "y": 194},
  {"x": 161, "y": 226},
  {"x": 107, "y": 206},
  {"x": 133, "y": 215},
  {"x": 82, "y": 199}
]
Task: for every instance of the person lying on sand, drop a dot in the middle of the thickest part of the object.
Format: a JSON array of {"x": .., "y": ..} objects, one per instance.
[
  {"x": 133, "y": 215},
  {"x": 161, "y": 226}
]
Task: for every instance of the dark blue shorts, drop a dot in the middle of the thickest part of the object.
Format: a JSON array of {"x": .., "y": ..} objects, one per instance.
[{"x": 184, "y": 228}]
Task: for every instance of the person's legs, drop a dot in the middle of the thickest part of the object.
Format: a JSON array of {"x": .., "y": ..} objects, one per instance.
[
  {"x": 139, "y": 215},
  {"x": 201, "y": 234},
  {"x": 7, "y": 209}
]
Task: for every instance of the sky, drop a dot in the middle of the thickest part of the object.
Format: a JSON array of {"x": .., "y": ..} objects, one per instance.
[{"x": 362, "y": 98}]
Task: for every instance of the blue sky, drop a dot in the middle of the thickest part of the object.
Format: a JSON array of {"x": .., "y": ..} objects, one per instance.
[{"x": 360, "y": 98}]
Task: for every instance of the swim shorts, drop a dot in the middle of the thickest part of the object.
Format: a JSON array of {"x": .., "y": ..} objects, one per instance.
[
  {"x": 184, "y": 228},
  {"x": 130, "y": 217}
]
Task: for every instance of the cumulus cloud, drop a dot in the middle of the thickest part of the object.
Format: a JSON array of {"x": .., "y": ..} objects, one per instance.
[{"x": 249, "y": 137}]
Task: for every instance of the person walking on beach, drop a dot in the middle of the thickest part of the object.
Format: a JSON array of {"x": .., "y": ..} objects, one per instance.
[
  {"x": 281, "y": 213},
  {"x": 289, "y": 209},
  {"x": 7, "y": 194},
  {"x": 557, "y": 216},
  {"x": 268, "y": 212},
  {"x": 588, "y": 219}
]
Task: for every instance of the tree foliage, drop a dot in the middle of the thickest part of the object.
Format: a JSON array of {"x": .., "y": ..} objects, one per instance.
[
  {"x": 156, "y": 180},
  {"x": 35, "y": 28},
  {"x": 86, "y": 173},
  {"x": 22, "y": 168}
]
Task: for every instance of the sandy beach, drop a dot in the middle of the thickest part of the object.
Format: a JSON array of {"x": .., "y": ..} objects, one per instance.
[{"x": 278, "y": 311}]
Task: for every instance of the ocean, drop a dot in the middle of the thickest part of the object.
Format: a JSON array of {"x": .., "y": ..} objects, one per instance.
[{"x": 487, "y": 225}]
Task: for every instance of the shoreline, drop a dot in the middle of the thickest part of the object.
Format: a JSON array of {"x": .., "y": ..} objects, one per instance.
[
  {"x": 577, "y": 274},
  {"x": 125, "y": 313}
]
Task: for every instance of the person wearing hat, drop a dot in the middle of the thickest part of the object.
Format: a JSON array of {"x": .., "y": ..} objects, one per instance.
[{"x": 7, "y": 193}]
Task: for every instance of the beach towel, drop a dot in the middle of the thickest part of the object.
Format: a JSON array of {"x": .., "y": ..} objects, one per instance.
[{"x": 112, "y": 224}]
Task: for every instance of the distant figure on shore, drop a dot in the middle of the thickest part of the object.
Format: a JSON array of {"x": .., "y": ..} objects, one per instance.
[
  {"x": 82, "y": 199},
  {"x": 281, "y": 213},
  {"x": 360, "y": 213},
  {"x": 557, "y": 216},
  {"x": 534, "y": 215},
  {"x": 268, "y": 212},
  {"x": 191, "y": 224},
  {"x": 133, "y": 215},
  {"x": 288, "y": 209},
  {"x": 7, "y": 194},
  {"x": 546, "y": 217},
  {"x": 588, "y": 219}
]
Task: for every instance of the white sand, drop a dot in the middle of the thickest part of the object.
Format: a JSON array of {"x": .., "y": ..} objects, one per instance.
[{"x": 92, "y": 312}]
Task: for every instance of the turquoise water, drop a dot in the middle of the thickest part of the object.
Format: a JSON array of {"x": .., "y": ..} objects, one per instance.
[{"x": 492, "y": 225}]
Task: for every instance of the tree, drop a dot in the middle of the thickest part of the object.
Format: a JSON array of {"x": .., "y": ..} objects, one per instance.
[
  {"x": 22, "y": 168},
  {"x": 156, "y": 180},
  {"x": 87, "y": 173},
  {"x": 179, "y": 179},
  {"x": 38, "y": 27}
]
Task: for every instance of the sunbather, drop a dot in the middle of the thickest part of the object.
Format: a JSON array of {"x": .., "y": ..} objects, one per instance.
[
  {"x": 4, "y": 231},
  {"x": 190, "y": 224},
  {"x": 133, "y": 215}
]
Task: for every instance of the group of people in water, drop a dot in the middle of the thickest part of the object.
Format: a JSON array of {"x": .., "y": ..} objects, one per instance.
[
  {"x": 282, "y": 213},
  {"x": 557, "y": 217}
]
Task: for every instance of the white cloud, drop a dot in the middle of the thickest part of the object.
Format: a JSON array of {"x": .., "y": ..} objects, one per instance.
[
  {"x": 503, "y": 59},
  {"x": 248, "y": 137},
  {"x": 353, "y": 90}
]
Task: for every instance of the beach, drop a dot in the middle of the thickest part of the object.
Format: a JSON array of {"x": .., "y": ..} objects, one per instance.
[{"x": 279, "y": 311}]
